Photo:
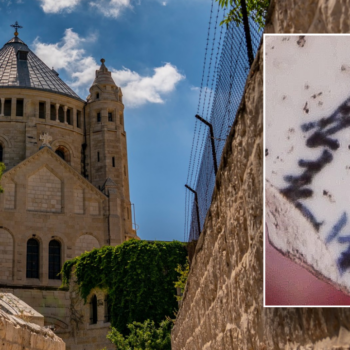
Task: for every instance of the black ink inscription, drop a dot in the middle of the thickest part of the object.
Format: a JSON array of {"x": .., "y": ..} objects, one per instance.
[
  {"x": 322, "y": 132},
  {"x": 344, "y": 261},
  {"x": 295, "y": 190},
  {"x": 336, "y": 229},
  {"x": 320, "y": 139},
  {"x": 344, "y": 239},
  {"x": 307, "y": 213}
]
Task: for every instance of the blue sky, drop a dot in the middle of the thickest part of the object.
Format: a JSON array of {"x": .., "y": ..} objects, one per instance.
[{"x": 155, "y": 49}]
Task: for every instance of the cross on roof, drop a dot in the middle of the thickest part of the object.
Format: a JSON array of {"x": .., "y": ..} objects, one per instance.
[
  {"x": 16, "y": 26},
  {"x": 45, "y": 138}
]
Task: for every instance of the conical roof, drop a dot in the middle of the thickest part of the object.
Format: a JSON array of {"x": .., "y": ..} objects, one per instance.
[
  {"x": 20, "y": 67},
  {"x": 103, "y": 75}
]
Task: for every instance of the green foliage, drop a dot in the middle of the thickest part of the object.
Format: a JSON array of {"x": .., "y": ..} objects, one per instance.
[
  {"x": 143, "y": 336},
  {"x": 138, "y": 275},
  {"x": 257, "y": 9},
  {"x": 2, "y": 169},
  {"x": 183, "y": 271}
]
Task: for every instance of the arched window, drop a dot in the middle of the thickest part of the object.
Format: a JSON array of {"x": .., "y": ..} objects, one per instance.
[
  {"x": 54, "y": 260},
  {"x": 64, "y": 153},
  {"x": 60, "y": 153},
  {"x": 93, "y": 310},
  {"x": 32, "y": 258},
  {"x": 1, "y": 153}
]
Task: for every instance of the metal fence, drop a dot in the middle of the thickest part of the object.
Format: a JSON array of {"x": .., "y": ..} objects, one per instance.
[{"x": 226, "y": 64}]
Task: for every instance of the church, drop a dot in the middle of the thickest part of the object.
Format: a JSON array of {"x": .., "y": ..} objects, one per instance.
[{"x": 66, "y": 188}]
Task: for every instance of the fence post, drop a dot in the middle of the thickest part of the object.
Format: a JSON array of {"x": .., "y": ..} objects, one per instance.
[
  {"x": 212, "y": 141},
  {"x": 197, "y": 207},
  {"x": 248, "y": 38}
]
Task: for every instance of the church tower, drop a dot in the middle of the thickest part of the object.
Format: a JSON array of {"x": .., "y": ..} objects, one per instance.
[
  {"x": 66, "y": 188},
  {"x": 107, "y": 164}
]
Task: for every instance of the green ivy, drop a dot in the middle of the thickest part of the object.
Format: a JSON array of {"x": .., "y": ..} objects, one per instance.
[
  {"x": 183, "y": 271},
  {"x": 143, "y": 336},
  {"x": 138, "y": 275}
]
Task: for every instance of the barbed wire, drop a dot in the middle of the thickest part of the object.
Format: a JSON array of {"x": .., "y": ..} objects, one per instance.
[
  {"x": 230, "y": 72},
  {"x": 195, "y": 140}
]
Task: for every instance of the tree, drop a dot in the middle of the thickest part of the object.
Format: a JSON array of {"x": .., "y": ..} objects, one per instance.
[
  {"x": 2, "y": 169},
  {"x": 256, "y": 9},
  {"x": 143, "y": 336}
]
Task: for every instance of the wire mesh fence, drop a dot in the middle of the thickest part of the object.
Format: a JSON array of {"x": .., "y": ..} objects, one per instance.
[{"x": 226, "y": 64}]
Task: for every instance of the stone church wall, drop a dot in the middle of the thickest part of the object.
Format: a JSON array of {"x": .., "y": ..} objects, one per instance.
[
  {"x": 222, "y": 305},
  {"x": 40, "y": 202},
  {"x": 20, "y": 135}
]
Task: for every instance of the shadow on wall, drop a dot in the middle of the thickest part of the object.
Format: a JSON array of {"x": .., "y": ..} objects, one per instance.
[{"x": 287, "y": 283}]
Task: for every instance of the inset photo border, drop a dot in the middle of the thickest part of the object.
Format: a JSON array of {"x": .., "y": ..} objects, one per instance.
[{"x": 306, "y": 170}]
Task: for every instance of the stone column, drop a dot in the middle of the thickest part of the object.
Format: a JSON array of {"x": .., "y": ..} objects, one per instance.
[
  {"x": 47, "y": 110},
  {"x": 2, "y": 107},
  {"x": 74, "y": 116},
  {"x": 25, "y": 102},
  {"x": 65, "y": 114},
  {"x": 13, "y": 107},
  {"x": 57, "y": 107},
  {"x": 104, "y": 116}
]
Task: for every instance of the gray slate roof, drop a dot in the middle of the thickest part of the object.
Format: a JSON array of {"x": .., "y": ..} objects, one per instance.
[{"x": 31, "y": 73}]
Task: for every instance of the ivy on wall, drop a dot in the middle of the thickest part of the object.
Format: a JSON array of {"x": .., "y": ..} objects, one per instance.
[{"x": 139, "y": 277}]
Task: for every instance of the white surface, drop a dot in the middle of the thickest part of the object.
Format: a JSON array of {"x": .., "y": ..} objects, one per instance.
[{"x": 295, "y": 77}]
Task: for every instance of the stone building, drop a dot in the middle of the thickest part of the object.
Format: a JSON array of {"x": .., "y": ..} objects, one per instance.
[
  {"x": 66, "y": 187},
  {"x": 22, "y": 327}
]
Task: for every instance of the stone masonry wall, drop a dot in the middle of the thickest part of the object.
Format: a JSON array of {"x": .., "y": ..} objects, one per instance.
[
  {"x": 44, "y": 192},
  {"x": 222, "y": 305},
  {"x": 17, "y": 334}
]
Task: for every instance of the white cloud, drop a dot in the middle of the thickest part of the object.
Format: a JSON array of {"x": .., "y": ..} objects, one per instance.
[
  {"x": 68, "y": 54},
  {"x": 111, "y": 8},
  {"x": 62, "y": 54},
  {"x": 138, "y": 90},
  {"x": 56, "y": 6}
]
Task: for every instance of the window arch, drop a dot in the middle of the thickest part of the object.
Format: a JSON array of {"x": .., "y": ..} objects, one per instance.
[
  {"x": 63, "y": 152},
  {"x": 54, "y": 259},
  {"x": 1, "y": 153},
  {"x": 93, "y": 310},
  {"x": 32, "y": 258}
]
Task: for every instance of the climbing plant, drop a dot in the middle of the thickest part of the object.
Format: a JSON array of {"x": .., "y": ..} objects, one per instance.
[
  {"x": 183, "y": 271},
  {"x": 143, "y": 336},
  {"x": 139, "y": 277},
  {"x": 2, "y": 169},
  {"x": 256, "y": 9}
]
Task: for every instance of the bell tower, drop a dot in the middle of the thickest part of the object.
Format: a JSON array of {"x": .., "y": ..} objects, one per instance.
[{"x": 107, "y": 162}]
